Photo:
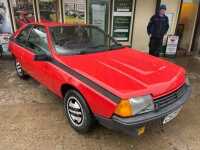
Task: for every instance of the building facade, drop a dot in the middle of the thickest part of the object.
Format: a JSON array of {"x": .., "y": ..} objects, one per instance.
[{"x": 125, "y": 20}]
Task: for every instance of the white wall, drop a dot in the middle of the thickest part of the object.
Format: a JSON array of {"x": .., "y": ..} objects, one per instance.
[
  {"x": 144, "y": 10},
  {"x": 173, "y": 7}
]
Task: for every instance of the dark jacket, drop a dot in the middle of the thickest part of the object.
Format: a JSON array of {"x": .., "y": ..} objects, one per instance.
[{"x": 158, "y": 26}]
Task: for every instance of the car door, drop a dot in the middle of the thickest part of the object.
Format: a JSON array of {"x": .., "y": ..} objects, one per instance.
[
  {"x": 37, "y": 45},
  {"x": 18, "y": 45}
]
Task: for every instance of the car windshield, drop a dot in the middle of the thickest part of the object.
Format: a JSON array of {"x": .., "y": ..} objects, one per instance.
[{"x": 70, "y": 40}]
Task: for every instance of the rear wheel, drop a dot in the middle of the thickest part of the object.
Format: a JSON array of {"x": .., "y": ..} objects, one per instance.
[
  {"x": 20, "y": 72},
  {"x": 77, "y": 111}
]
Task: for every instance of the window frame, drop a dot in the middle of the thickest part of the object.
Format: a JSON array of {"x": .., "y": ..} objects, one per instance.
[
  {"x": 21, "y": 44},
  {"x": 25, "y": 45},
  {"x": 93, "y": 26},
  {"x": 48, "y": 52}
]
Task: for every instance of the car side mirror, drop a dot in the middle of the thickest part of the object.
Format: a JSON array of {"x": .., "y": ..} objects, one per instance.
[{"x": 42, "y": 57}]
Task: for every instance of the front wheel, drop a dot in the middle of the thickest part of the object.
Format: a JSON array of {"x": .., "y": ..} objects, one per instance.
[
  {"x": 77, "y": 111},
  {"x": 20, "y": 72}
]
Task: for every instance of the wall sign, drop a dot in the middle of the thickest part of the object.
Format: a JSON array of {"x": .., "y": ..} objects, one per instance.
[{"x": 172, "y": 43}]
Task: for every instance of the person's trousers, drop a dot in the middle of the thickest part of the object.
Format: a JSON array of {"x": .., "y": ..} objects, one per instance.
[{"x": 155, "y": 46}]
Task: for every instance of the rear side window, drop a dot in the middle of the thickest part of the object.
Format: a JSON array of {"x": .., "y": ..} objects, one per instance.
[{"x": 21, "y": 38}]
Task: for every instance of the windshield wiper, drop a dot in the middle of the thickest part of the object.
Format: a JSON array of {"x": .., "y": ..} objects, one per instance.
[
  {"x": 116, "y": 47},
  {"x": 96, "y": 51},
  {"x": 97, "y": 46},
  {"x": 89, "y": 52},
  {"x": 83, "y": 52}
]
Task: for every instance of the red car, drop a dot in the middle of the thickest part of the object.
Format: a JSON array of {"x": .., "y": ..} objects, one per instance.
[{"x": 98, "y": 78}]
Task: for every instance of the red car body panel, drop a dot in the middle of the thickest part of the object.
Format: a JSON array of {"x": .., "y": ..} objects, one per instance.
[
  {"x": 124, "y": 72},
  {"x": 127, "y": 72}
]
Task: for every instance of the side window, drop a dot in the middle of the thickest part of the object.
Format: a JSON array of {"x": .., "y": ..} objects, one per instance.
[
  {"x": 37, "y": 40},
  {"x": 21, "y": 38}
]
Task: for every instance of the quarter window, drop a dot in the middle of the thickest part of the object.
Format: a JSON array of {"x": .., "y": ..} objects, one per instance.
[{"x": 21, "y": 38}]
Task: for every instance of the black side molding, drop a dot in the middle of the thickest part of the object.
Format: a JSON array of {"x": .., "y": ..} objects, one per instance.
[{"x": 87, "y": 81}]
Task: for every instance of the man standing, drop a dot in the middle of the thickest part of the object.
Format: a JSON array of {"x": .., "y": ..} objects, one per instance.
[{"x": 156, "y": 29}]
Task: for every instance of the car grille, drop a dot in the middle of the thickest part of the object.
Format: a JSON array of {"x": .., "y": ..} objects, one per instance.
[{"x": 170, "y": 98}]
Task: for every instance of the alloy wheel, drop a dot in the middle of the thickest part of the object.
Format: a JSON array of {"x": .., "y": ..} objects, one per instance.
[
  {"x": 75, "y": 111},
  {"x": 19, "y": 69}
]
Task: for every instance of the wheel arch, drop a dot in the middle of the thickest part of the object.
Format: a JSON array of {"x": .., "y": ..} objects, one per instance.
[{"x": 66, "y": 87}]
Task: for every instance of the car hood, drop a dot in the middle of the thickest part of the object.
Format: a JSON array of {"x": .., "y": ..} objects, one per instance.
[{"x": 127, "y": 72}]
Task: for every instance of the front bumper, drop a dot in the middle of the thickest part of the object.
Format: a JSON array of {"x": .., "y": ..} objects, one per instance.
[{"x": 130, "y": 125}]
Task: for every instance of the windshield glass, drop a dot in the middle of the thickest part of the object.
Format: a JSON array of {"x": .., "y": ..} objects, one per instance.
[{"x": 69, "y": 40}]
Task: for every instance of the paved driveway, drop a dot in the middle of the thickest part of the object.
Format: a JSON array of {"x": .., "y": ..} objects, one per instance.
[{"x": 31, "y": 118}]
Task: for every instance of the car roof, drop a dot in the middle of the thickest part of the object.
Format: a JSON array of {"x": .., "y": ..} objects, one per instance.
[{"x": 53, "y": 24}]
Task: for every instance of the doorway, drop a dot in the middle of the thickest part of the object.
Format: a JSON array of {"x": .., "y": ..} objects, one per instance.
[
  {"x": 196, "y": 40},
  {"x": 186, "y": 25}
]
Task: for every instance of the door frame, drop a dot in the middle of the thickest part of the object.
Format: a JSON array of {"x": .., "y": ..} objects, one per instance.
[
  {"x": 196, "y": 35},
  {"x": 195, "y": 29}
]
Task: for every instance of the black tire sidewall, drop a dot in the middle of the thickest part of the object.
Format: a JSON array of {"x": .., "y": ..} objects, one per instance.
[{"x": 88, "y": 118}]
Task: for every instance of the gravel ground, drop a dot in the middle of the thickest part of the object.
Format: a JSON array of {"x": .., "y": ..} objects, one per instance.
[{"x": 31, "y": 118}]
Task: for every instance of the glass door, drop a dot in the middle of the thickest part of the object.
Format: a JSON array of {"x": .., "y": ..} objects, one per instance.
[
  {"x": 49, "y": 10},
  {"x": 99, "y": 13},
  {"x": 122, "y": 20},
  {"x": 23, "y": 12}
]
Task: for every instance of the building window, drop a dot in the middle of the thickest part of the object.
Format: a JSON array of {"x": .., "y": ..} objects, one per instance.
[
  {"x": 122, "y": 14},
  {"x": 23, "y": 12},
  {"x": 99, "y": 13},
  {"x": 49, "y": 10},
  {"x": 74, "y": 11}
]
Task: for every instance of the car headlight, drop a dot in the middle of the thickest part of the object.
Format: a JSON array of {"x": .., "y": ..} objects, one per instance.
[{"x": 135, "y": 106}]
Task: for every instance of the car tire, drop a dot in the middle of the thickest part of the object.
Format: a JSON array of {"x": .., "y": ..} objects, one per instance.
[
  {"x": 20, "y": 72},
  {"x": 77, "y": 112}
]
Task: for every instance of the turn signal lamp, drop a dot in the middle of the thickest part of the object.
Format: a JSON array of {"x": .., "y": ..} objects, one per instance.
[
  {"x": 124, "y": 109},
  {"x": 135, "y": 106}
]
